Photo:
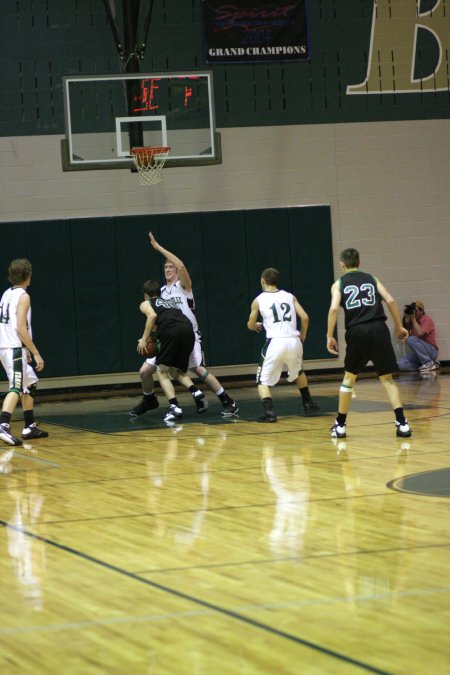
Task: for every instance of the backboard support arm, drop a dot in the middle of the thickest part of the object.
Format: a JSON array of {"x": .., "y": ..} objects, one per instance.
[
  {"x": 130, "y": 25},
  {"x": 148, "y": 19},
  {"x": 114, "y": 30}
]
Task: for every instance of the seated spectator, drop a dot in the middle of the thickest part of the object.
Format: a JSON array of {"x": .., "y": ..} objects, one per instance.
[{"x": 422, "y": 354}]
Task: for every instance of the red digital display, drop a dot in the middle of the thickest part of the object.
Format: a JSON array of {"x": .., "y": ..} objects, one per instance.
[
  {"x": 147, "y": 98},
  {"x": 187, "y": 95}
]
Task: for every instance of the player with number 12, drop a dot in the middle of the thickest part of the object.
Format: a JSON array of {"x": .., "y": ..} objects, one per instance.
[{"x": 283, "y": 349}]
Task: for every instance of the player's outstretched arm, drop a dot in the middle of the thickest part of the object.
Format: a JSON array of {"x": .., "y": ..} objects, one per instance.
[{"x": 183, "y": 274}]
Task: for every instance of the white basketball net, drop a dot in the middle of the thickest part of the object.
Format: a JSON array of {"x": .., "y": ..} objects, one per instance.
[{"x": 149, "y": 162}]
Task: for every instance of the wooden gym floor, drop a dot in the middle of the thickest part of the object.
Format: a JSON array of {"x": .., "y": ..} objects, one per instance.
[{"x": 218, "y": 547}]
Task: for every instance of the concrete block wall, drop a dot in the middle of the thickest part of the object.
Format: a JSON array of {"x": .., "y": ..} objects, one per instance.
[{"x": 387, "y": 184}]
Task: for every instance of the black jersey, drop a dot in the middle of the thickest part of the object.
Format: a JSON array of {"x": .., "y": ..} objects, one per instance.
[
  {"x": 175, "y": 334},
  {"x": 360, "y": 298},
  {"x": 168, "y": 316}
]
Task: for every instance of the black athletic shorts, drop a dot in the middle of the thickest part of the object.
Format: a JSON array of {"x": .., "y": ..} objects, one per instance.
[
  {"x": 370, "y": 341},
  {"x": 175, "y": 345}
]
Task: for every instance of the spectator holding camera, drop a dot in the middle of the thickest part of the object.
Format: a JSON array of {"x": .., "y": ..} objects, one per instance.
[{"x": 423, "y": 354}]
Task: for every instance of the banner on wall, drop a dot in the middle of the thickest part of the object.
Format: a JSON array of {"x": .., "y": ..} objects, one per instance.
[{"x": 248, "y": 31}]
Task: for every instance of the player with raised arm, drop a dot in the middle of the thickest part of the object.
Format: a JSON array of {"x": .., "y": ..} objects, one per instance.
[
  {"x": 283, "y": 349},
  {"x": 178, "y": 289},
  {"x": 176, "y": 340},
  {"x": 367, "y": 337}
]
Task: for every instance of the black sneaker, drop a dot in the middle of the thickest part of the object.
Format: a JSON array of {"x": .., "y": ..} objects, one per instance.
[
  {"x": 403, "y": 430},
  {"x": 34, "y": 432},
  {"x": 310, "y": 406},
  {"x": 147, "y": 403},
  {"x": 200, "y": 402},
  {"x": 6, "y": 435},
  {"x": 229, "y": 408},
  {"x": 173, "y": 413},
  {"x": 269, "y": 417}
]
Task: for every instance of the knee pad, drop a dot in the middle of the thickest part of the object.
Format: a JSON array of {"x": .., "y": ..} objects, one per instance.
[
  {"x": 32, "y": 391},
  {"x": 202, "y": 378}
]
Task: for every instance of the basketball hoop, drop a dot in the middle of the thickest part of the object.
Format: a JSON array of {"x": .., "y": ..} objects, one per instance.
[{"x": 149, "y": 161}]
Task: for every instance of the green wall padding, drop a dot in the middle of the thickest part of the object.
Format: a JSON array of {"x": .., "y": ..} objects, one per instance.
[
  {"x": 55, "y": 319},
  {"x": 88, "y": 275},
  {"x": 225, "y": 256},
  {"x": 96, "y": 296},
  {"x": 312, "y": 271}
]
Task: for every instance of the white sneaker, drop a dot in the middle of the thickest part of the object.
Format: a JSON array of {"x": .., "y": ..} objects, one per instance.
[
  {"x": 403, "y": 430},
  {"x": 427, "y": 367},
  {"x": 174, "y": 413},
  {"x": 338, "y": 431},
  {"x": 6, "y": 435}
]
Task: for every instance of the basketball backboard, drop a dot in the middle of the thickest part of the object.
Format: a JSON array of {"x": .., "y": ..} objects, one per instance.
[{"x": 105, "y": 115}]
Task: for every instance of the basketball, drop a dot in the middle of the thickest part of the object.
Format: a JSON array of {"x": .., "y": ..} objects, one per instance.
[{"x": 150, "y": 349}]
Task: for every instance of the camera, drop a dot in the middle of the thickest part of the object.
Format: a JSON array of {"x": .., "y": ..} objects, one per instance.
[{"x": 410, "y": 309}]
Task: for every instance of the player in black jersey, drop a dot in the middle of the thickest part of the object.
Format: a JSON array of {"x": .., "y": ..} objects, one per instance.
[
  {"x": 176, "y": 340},
  {"x": 367, "y": 337},
  {"x": 178, "y": 288}
]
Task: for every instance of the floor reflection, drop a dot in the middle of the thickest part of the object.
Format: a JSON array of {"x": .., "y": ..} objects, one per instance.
[
  {"x": 195, "y": 457},
  {"x": 27, "y": 553},
  {"x": 368, "y": 576},
  {"x": 288, "y": 477}
]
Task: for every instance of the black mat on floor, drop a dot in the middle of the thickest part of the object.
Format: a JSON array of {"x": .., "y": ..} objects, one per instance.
[{"x": 116, "y": 421}]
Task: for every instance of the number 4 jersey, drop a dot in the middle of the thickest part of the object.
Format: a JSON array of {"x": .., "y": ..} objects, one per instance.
[
  {"x": 8, "y": 318},
  {"x": 278, "y": 313},
  {"x": 360, "y": 298}
]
